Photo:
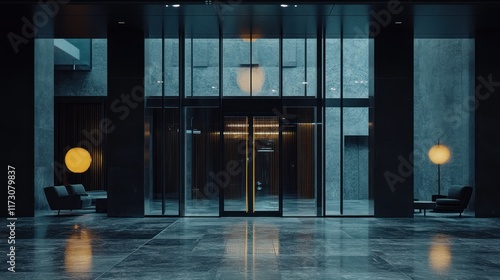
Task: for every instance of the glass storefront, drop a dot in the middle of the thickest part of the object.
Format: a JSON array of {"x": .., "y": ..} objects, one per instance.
[{"x": 261, "y": 136}]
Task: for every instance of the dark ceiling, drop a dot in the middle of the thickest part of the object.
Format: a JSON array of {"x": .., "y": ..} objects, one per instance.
[{"x": 429, "y": 19}]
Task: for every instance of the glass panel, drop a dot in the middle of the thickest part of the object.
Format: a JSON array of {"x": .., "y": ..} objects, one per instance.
[
  {"x": 234, "y": 180},
  {"x": 236, "y": 67},
  {"x": 171, "y": 82},
  {"x": 358, "y": 198},
  {"x": 154, "y": 60},
  {"x": 265, "y": 67},
  {"x": 332, "y": 161},
  {"x": 153, "y": 67},
  {"x": 162, "y": 156},
  {"x": 311, "y": 67},
  {"x": 202, "y": 67},
  {"x": 266, "y": 163},
  {"x": 299, "y": 67},
  {"x": 299, "y": 163},
  {"x": 202, "y": 162},
  {"x": 356, "y": 66},
  {"x": 332, "y": 68}
]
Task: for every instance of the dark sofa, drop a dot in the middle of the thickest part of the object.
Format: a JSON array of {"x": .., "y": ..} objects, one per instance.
[
  {"x": 70, "y": 197},
  {"x": 456, "y": 201}
]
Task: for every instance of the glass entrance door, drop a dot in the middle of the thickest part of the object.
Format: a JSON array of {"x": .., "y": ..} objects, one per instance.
[{"x": 250, "y": 180}]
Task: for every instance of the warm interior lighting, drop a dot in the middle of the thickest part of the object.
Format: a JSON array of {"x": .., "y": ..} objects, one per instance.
[
  {"x": 78, "y": 252},
  {"x": 247, "y": 37},
  {"x": 251, "y": 78},
  {"x": 439, "y": 154},
  {"x": 78, "y": 160},
  {"x": 440, "y": 254},
  {"x": 235, "y": 125}
]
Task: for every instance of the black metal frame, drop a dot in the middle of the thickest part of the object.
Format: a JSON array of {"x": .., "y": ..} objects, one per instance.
[{"x": 253, "y": 106}]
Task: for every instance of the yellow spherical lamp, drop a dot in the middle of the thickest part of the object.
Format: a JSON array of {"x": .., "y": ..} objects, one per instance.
[
  {"x": 78, "y": 160},
  {"x": 439, "y": 154}
]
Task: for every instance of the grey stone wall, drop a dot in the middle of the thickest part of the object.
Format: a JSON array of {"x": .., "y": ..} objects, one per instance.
[
  {"x": 44, "y": 121},
  {"x": 356, "y": 68},
  {"x": 444, "y": 84},
  {"x": 86, "y": 83},
  {"x": 153, "y": 64}
]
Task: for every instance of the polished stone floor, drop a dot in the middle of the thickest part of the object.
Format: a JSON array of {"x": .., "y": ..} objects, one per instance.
[{"x": 92, "y": 246}]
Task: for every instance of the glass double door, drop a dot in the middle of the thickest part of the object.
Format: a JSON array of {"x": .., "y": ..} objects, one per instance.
[{"x": 251, "y": 154}]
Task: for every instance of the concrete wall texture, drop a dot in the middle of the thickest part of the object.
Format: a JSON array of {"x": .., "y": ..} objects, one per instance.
[{"x": 444, "y": 84}]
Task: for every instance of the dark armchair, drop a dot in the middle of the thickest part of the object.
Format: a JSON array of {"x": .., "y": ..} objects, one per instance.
[
  {"x": 456, "y": 201},
  {"x": 59, "y": 199}
]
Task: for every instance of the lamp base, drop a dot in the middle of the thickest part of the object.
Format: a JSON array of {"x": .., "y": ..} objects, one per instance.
[{"x": 436, "y": 196}]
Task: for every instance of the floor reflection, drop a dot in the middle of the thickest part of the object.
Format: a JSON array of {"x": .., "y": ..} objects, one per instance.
[
  {"x": 440, "y": 254},
  {"x": 102, "y": 247},
  {"x": 78, "y": 252},
  {"x": 252, "y": 246}
]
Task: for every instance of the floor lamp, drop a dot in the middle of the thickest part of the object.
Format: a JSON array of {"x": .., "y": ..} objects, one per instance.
[{"x": 439, "y": 154}]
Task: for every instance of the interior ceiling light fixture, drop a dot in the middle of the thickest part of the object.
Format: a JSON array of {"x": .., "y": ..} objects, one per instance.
[
  {"x": 176, "y": 5},
  {"x": 284, "y": 5}
]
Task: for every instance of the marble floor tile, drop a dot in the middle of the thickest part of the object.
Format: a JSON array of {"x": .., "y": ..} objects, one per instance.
[{"x": 93, "y": 246}]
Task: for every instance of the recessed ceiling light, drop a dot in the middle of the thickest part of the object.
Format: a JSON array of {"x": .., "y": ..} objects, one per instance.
[
  {"x": 176, "y": 5},
  {"x": 295, "y": 6},
  {"x": 121, "y": 22},
  {"x": 398, "y": 22},
  {"x": 284, "y": 5}
]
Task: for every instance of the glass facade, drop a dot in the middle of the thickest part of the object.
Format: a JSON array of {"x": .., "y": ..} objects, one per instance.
[
  {"x": 239, "y": 154},
  {"x": 269, "y": 126}
]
